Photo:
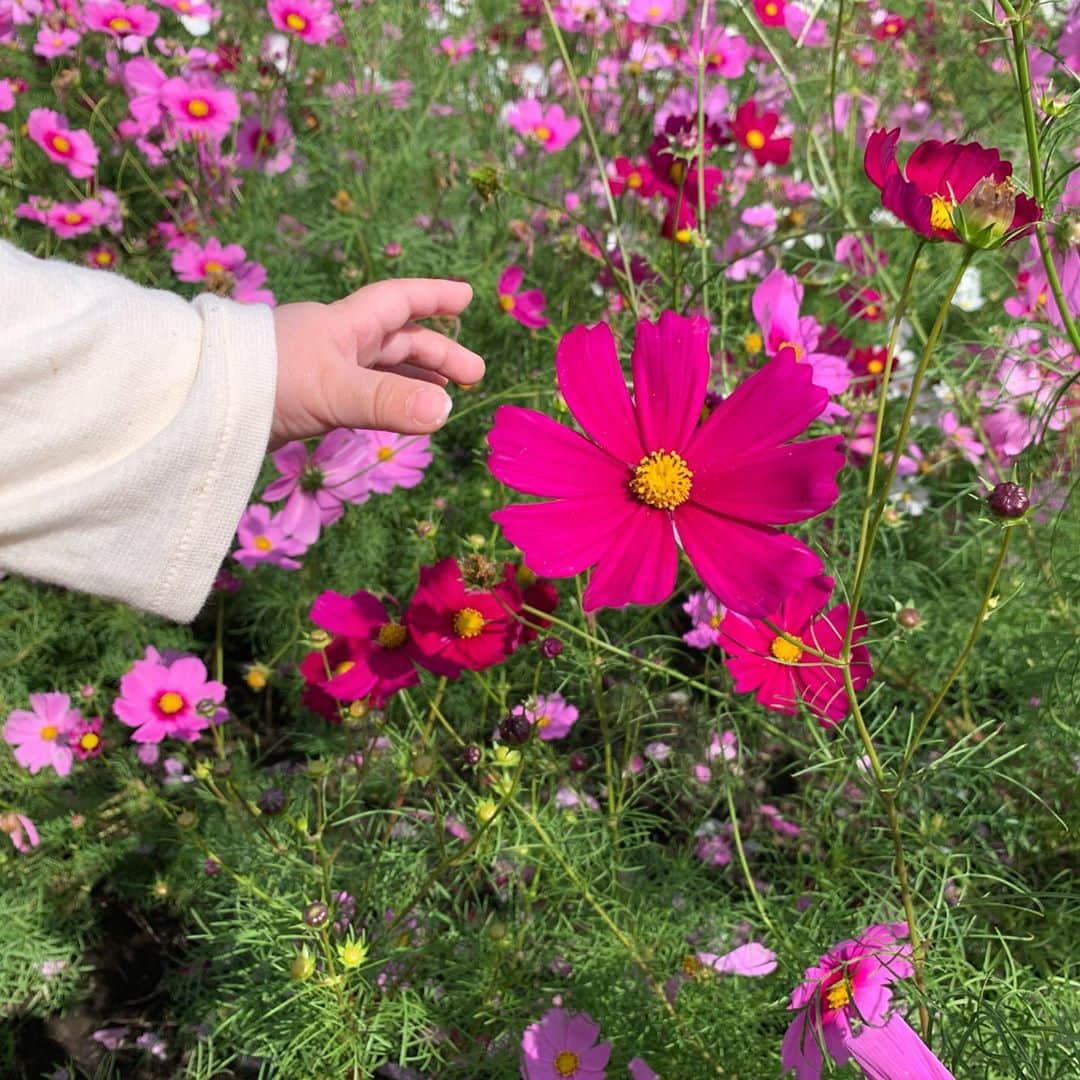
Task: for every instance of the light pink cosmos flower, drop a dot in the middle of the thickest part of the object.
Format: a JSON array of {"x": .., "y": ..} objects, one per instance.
[
  {"x": 143, "y": 80},
  {"x": 456, "y": 50},
  {"x": 130, "y": 26},
  {"x": 74, "y": 149},
  {"x": 7, "y": 95},
  {"x": 706, "y": 613},
  {"x": 394, "y": 461},
  {"x": 317, "y": 484},
  {"x": 312, "y": 21},
  {"x": 648, "y": 467},
  {"x": 528, "y": 306},
  {"x": 266, "y": 146},
  {"x": 7, "y": 147},
  {"x": 40, "y": 734},
  {"x": 206, "y": 263},
  {"x": 776, "y": 304},
  {"x": 550, "y": 127},
  {"x": 52, "y": 43},
  {"x": 266, "y": 538},
  {"x": 199, "y": 107},
  {"x": 169, "y": 700},
  {"x": 655, "y": 12},
  {"x": 551, "y": 715},
  {"x": 851, "y": 982},
  {"x": 752, "y": 960},
  {"x": 894, "y": 1052},
  {"x": 191, "y": 9},
  {"x": 962, "y": 437},
  {"x": 562, "y": 1046},
  {"x": 724, "y": 52},
  {"x": 21, "y": 830}
]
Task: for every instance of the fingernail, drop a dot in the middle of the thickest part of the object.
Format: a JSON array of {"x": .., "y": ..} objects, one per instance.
[{"x": 430, "y": 407}]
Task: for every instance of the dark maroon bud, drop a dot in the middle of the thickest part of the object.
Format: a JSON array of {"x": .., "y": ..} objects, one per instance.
[
  {"x": 578, "y": 763},
  {"x": 316, "y": 914},
  {"x": 471, "y": 755},
  {"x": 908, "y": 618},
  {"x": 1008, "y": 501},
  {"x": 211, "y": 867},
  {"x": 515, "y": 729},
  {"x": 550, "y": 648},
  {"x": 271, "y": 801}
]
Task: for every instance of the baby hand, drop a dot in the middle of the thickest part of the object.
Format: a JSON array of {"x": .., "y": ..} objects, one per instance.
[{"x": 363, "y": 362}]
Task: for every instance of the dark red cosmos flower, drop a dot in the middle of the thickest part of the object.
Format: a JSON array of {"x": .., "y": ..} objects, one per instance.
[
  {"x": 754, "y": 131},
  {"x": 892, "y": 26},
  {"x": 673, "y": 173},
  {"x": 469, "y": 628},
  {"x": 632, "y": 176},
  {"x": 962, "y": 192}
]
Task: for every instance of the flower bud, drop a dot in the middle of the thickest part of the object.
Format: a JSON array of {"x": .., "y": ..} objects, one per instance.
[
  {"x": 302, "y": 966},
  {"x": 515, "y": 729},
  {"x": 271, "y": 802},
  {"x": 1008, "y": 501},
  {"x": 987, "y": 212},
  {"x": 550, "y": 648},
  {"x": 909, "y": 618},
  {"x": 316, "y": 914},
  {"x": 472, "y": 755}
]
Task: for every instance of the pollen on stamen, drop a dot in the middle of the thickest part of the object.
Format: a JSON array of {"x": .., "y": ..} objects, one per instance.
[
  {"x": 662, "y": 480},
  {"x": 468, "y": 623},
  {"x": 787, "y": 652},
  {"x": 392, "y": 635},
  {"x": 941, "y": 213}
]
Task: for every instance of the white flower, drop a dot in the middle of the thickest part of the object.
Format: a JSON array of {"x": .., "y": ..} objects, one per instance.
[{"x": 968, "y": 295}]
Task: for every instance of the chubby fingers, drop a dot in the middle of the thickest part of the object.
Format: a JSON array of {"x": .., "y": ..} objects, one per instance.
[
  {"x": 359, "y": 397},
  {"x": 432, "y": 351},
  {"x": 392, "y": 304}
]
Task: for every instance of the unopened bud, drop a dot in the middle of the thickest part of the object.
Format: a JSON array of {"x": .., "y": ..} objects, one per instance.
[
  {"x": 987, "y": 212},
  {"x": 1008, "y": 501},
  {"x": 908, "y": 618}
]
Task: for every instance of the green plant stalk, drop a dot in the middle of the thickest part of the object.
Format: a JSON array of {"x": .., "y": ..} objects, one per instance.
[
  {"x": 1038, "y": 181},
  {"x": 590, "y": 133},
  {"x": 702, "y": 228},
  {"x": 736, "y": 835},
  {"x": 833, "y": 63},
  {"x": 962, "y": 659},
  {"x": 869, "y": 534}
]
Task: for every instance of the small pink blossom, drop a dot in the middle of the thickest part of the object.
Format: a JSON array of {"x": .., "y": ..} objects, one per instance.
[
  {"x": 752, "y": 959},
  {"x": 74, "y": 149},
  {"x": 394, "y": 461},
  {"x": 266, "y": 146},
  {"x": 528, "y": 306},
  {"x": 456, "y": 50},
  {"x": 130, "y": 26},
  {"x": 706, "y": 613},
  {"x": 655, "y": 12},
  {"x": 550, "y": 126},
  {"x": 562, "y": 1046},
  {"x": 312, "y": 21},
  {"x": 199, "y": 107},
  {"x": 40, "y": 734},
  {"x": 21, "y": 830},
  {"x": 551, "y": 715},
  {"x": 265, "y": 538},
  {"x": 53, "y": 43}
]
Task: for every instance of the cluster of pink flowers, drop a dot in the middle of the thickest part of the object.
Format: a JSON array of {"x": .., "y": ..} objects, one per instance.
[{"x": 52, "y": 734}]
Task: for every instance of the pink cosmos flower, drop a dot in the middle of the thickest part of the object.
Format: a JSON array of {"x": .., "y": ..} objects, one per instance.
[
  {"x": 53, "y": 43},
  {"x": 456, "y": 50},
  {"x": 655, "y": 12},
  {"x": 779, "y": 672},
  {"x": 852, "y": 981},
  {"x": 527, "y": 307},
  {"x": 894, "y": 1052},
  {"x": 21, "y": 830},
  {"x": 706, "y": 613},
  {"x": 551, "y": 715},
  {"x": 199, "y": 107},
  {"x": 752, "y": 960},
  {"x": 562, "y": 1046},
  {"x": 266, "y": 146},
  {"x": 266, "y": 538},
  {"x": 85, "y": 738},
  {"x": 962, "y": 437},
  {"x": 191, "y": 9},
  {"x": 40, "y": 735},
  {"x": 316, "y": 484},
  {"x": 639, "y": 1069},
  {"x": 130, "y": 26},
  {"x": 394, "y": 461},
  {"x": 206, "y": 263},
  {"x": 776, "y": 304},
  {"x": 7, "y": 147},
  {"x": 169, "y": 699},
  {"x": 725, "y": 53},
  {"x": 312, "y": 21},
  {"x": 550, "y": 127},
  {"x": 75, "y": 150},
  {"x": 754, "y": 131},
  {"x": 648, "y": 466},
  {"x": 712, "y": 846},
  {"x": 468, "y": 628}
]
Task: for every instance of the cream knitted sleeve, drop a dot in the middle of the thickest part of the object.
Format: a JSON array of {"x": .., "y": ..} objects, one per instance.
[{"x": 132, "y": 426}]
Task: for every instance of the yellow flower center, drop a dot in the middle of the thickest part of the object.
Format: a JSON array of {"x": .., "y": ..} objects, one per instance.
[
  {"x": 797, "y": 349},
  {"x": 89, "y": 741},
  {"x": 183, "y": 5},
  {"x": 506, "y": 302},
  {"x": 941, "y": 213},
  {"x": 542, "y": 133},
  {"x": 385, "y": 453},
  {"x": 662, "y": 480},
  {"x": 198, "y": 108},
  {"x": 72, "y": 218},
  {"x": 875, "y": 367},
  {"x": 392, "y": 635},
  {"x": 468, "y": 622},
  {"x": 57, "y": 42},
  {"x": 634, "y": 180},
  {"x": 49, "y": 732},
  {"x": 753, "y": 343},
  {"x": 262, "y": 543},
  {"x": 170, "y": 702},
  {"x": 654, "y": 12},
  {"x": 212, "y": 266},
  {"x": 683, "y": 236},
  {"x": 838, "y": 995},
  {"x": 353, "y": 954},
  {"x": 295, "y": 22},
  {"x": 771, "y": 10},
  {"x": 715, "y": 621},
  {"x": 755, "y": 139},
  {"x": 543, "y": 721},
  {"x": 120, "y": 24},
  {"x": 678, "y": 171},
  {"x": 103, "y": 258},
  {"x": 343, "y": 667},
  {"x": 787, "y": 652},
  {"x": 566, "y": 1062},
  {"x": 690, "y": 966},
  {"x": 256, "y": 679},
  {"x": 60, "y": 144},
  {"x": 871, "y": 311}
]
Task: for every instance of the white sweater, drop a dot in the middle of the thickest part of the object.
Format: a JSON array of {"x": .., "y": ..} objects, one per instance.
[{"x": 132, "y": 427}]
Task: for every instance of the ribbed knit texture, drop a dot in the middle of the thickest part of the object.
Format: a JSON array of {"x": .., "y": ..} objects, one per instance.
[{"x": 132, "y": 427}]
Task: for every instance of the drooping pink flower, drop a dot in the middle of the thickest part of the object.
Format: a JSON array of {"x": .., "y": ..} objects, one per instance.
[
  {"x": 312, "y": 21},
  {"x": 169, "y": 700},
  {"x": 551, "y": 714},
  {"x": 894, "y": 1051},
  {"x": 468, "y": 628},
  {"x": 21, "y": 831},
  {"x": 52, "y": 43},
  {"x": 562, "y": 1045},
  {"x": 130, "y": 26},
  {"x": 40, "y": 734},
  {"x": 73, "y": 149},
  {"x": 268, "y": 538},
  {"x": 199, "y": 107},
  {"x": 779, "y": 672},
  {"x": 852, "y": 981},
  {"x": 752, "y": 960},
  {"x": 394, "y": 461},
  {"x": 949, "y": 186},
  {"x": 528, "y": 306},
  {"x": 550, "y": 127},
  {"x": 648, "y": 467},
  {"x": 266, "y": 146},
  {"x": 639, "y": 1069}
]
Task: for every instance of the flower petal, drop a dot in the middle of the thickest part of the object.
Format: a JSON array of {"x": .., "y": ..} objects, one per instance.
[{"x": 639, "y": 566}]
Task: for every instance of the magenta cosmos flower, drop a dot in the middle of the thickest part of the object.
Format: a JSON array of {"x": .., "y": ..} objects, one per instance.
[
  {"x": 312, "y": 21},
  {"x": 950, "y": 191},
  {"x": 562, "y": 1046},
  {"x": 778, "y": 671},
  {"x": 550, "y": 126},
  {"x": 851, "y": 984},
  {"x": 75, "y": 150},
  {"x": 649, "y": 471},
  {"x": 199, "y": 107},
  {"x": 40, "y": 735},
  {"x": 130, "y": 26},
  {"x": 528, "y": 306},
  {"x": 169, "y": 700}
]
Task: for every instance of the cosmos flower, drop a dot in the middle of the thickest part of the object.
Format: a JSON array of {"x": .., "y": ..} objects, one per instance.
[
  {"x": 648, "y": 467},
  {"x": 269, "y": 538},
  {"x": 312, "y": 21},
  {"x": 562, "y": 1045},
  {"x": 21, "y": 831},
  {"x": 754, "y": 132},
  {"x": 394, "y": 461},
  {"x": 130, "y": 26},
  {"x": 528, "y": 306},
  {"x": 550, "y": 714},
  {"x": 199, "y": 107},
  {"x": 549, "y": 126},
  {"x": 40, "y": 734},
  {"x": 73, "y": 149}
]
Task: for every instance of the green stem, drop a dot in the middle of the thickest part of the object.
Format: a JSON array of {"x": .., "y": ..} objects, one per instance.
[
  {"x": 833, "y": 62},
  {"x": 702, "y": 229},
  {"x": 736, "y": 835}
]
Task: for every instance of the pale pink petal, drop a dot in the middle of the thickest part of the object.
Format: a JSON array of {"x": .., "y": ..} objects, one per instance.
[{"x": 751, "y": 959}]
